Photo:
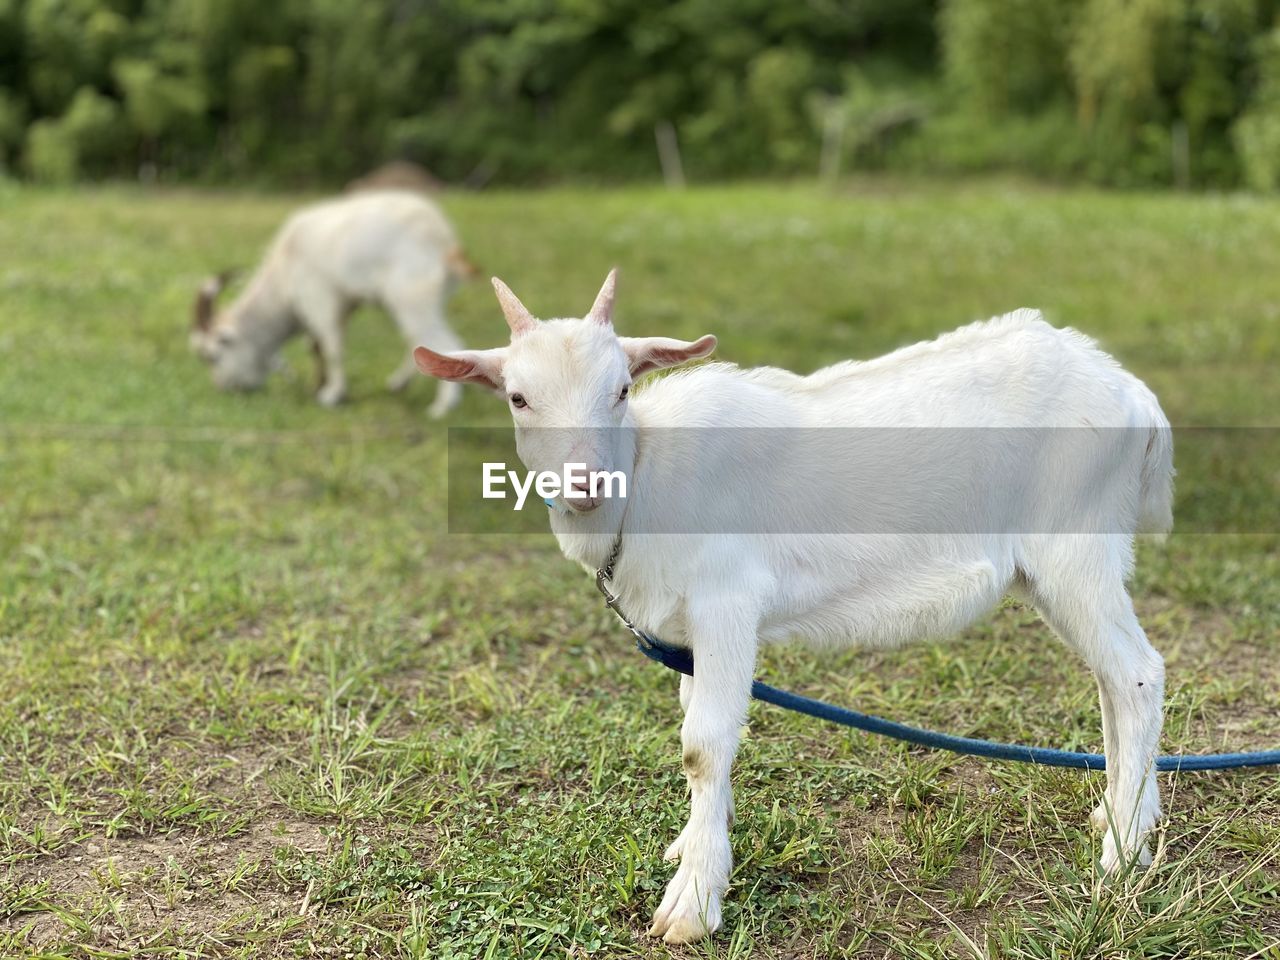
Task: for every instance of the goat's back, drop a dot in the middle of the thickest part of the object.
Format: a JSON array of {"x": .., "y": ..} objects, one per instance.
[
  {"x": 1008, "y": 425},
  {"x": 358, "y": 242},
  {"x": 1013, "y": 370}
]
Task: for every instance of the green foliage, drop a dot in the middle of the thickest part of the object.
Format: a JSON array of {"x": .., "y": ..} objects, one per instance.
[
  {"x": 778, "y": 80},
  {"x": 520, "y": 89},
  {"x": 1047, "y": 144},
  {"x": 1154, "y": 87},
  {"x": 1159, "y": 83},
  {"x": 12, "y": 125},
  {"x": 1122, "y": 92},
  {"x": 69, "y": 45},
  {"x": 51, "y": 156},
  {"x": 157, "y": 102},
  {"x": 1257, "y": 133},
  {"x": 1007, "y": 56},
  {"x": 90, "y": 132}
]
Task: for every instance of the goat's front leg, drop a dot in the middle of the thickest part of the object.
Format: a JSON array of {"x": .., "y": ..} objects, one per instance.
[
  {"x": 333, "y": 387},
  {"x": 686, "y": 694},
  {"x": 323, "y": 318},
  {"x": 418, "y": 308},
  {"x": 723, "y": 641}
]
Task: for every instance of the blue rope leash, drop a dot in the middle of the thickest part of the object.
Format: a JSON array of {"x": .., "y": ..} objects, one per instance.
[{"x": 682, "y": 660}]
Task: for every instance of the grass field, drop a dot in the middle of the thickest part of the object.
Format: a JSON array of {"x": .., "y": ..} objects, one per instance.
[{"x": 256, "y": 702}]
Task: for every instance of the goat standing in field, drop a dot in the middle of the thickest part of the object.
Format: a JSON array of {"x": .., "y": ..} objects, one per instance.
[
  {"x": 1055, "y": 458},
  {"x": 391, "y": 248}
]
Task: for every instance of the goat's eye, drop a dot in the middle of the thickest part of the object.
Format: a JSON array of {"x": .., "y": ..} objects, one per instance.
[
  {"x": 518, "y": 401},
  {"x": 626, "y": 392}
]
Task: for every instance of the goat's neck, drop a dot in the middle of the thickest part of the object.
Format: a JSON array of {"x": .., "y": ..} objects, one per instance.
[{"x": 264, "y": 318}]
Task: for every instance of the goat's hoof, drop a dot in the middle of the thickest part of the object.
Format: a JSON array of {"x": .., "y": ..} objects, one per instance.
[
  {"x": 1114, "y": 862},
  {"x": 396, "y": 383},
  {"x": 435, "y": 413},
  {"x": 688, "y": 913},
  {"x": 330, "y": 398},
  {"x": 673, "y": 852},
  {"x": 1098, "y": 819}
]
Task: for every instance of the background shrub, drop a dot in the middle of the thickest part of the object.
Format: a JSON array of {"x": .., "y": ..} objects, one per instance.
[{"x": 1123, "y": 92}]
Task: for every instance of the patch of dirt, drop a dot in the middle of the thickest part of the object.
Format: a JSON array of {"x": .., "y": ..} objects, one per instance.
[
  {"x": 240, "y": 772},
  {"x": 180, "y": 880},
  {"x": 1190, "y": 636},
  {"x": 81, "y": 867}
]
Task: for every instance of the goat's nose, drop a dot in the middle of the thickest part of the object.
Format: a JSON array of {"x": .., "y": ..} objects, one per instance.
[{"x": 586, "y": 482}]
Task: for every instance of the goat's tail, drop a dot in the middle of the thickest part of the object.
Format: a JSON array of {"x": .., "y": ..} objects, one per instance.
[
  {"x": 1155, "y": 504},
  {"x": 459, "y": 265}
]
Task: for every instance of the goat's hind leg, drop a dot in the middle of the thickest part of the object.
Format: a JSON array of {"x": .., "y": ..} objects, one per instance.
[
  {"x": 417, "y": 307},
  {"x": 1101, "y": 816},
  {"x": 403, "y": 375},
  {"x": 1131, "y": 686},
  {"x": 1097, "y": 620}
]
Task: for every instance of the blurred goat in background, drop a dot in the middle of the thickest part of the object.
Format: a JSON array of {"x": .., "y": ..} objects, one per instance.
[{"x": 390, "y": 247}]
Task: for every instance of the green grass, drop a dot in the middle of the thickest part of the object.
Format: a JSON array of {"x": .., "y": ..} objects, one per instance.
[{"x": 255, "y": 701}]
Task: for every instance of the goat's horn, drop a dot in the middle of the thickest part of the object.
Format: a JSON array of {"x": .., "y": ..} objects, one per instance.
[
  {"x": 207, "y": 296},
  {"x": 601, "y": 311},
  {"x": 519, "y": 319}
]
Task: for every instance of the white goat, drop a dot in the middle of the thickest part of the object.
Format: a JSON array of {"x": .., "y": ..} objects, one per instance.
[
  {"x": 1045, "y": 506},
  {"x": 390, "y": 247}
]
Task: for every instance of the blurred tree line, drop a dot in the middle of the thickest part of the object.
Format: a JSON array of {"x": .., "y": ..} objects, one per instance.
[{"x": 1126, "y": 92}]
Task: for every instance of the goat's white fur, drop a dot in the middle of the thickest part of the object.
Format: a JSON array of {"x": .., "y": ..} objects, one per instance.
[
  {"x": 722, "y": 594},
  {"x": 388, "y": 247}
]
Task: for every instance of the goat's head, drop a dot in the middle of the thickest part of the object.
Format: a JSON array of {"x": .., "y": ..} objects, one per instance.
[
  {"x": 566, "y": 381},
  {"x": 216, "y": 338}
]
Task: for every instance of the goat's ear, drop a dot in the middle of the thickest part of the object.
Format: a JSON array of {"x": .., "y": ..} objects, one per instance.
[
  {"x": 645, "y": 354},
  {"x": 481, "y": 367},
  {"x": 207, "y": 296}
]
